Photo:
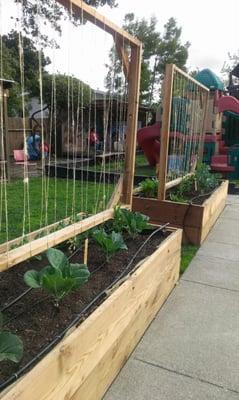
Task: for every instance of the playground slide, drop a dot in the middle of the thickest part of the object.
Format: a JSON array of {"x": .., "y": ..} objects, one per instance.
[
  {"x": 148, "y": 140},
  {"x": 228, "y": 103}
]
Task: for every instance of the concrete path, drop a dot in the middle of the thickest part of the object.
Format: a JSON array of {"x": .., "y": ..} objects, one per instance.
[{"x": 191, "y": 350}]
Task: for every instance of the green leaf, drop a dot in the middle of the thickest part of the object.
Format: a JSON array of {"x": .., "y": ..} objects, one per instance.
[
  {"x": 110, "y": 243},
  {"x": 11, "y": 347},
  {"x": 57, "y": 285},
  {"x": 57, "y": 258},
  {"x": 33, "y": 279},
  {"x": 59, "y": 278}
]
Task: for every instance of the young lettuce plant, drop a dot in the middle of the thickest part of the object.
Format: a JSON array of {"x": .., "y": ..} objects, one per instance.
[
  {"x": 60, "y": 277},
  {"x": 149, "y": 187},
  {"x": 109, "y": 242},
  {"x": 11, "y": 346},
  {"x": 133, "y": 223}
]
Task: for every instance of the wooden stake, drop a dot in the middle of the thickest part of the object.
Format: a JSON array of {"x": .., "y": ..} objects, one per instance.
[{"x": 86, "y": 246}]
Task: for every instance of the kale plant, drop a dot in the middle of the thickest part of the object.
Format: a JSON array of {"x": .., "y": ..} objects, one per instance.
[
  {"x": 133, "y": 223},
  {"x": 11, "y": 346},
  {"x": 60, "y": 277},
  {"x": 110, "y": 243}
]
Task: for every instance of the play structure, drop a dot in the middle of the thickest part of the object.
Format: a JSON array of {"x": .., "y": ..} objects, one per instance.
[
  {"x": 181, "y": 142},
  {"x": 221, "y": 147},
  {"x": 221, "y": 150},
  {"x": 184, "y": 141}
]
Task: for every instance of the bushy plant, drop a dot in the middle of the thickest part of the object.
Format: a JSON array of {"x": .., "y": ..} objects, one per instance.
[
  {"x": 205, "y": 180},
  {"x": 60, "y": 277},
  {"x": 202, "y": 182},
  {"x": 149, "y": 187},
  {"x": 11, "y": 346},
  {"x": 133, "y": 223},
  {"x": 177, "y": 198},
  {"x": 110, "y": 243}
]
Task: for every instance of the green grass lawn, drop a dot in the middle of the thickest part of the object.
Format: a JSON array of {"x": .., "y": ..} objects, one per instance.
[
  {"x": 188, "y": 252},
  {"x": 49, "y": 208},
  {"x": 141, "y": 166}
]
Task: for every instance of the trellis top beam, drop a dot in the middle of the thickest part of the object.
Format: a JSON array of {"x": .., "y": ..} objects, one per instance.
[
  {"x": 197, "y": 83},
  {"x": 81, "y": 9}
]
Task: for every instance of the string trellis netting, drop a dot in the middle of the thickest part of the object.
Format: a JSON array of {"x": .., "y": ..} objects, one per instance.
[
  {"x": 183, "y": 125},
  {"x": 40, "y": 212}
]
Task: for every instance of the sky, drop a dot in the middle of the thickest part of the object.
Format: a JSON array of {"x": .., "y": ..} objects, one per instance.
[{"x": 210, "y": 27}]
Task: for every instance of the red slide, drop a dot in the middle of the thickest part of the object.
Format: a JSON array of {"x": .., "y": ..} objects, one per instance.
[
  {"x": 148, "y": 140},
  {"x": 228, "y": 103}
]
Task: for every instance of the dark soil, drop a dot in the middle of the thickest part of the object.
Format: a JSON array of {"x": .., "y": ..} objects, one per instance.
[
  {"x": 192, "y": 197},
  {"x": 36, "y": 319}
]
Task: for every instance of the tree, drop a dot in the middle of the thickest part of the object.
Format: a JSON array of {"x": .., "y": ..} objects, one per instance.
[
  {"x": 229, "y": 64},
  {"x": 11, "y": 68},
  {"x": 51, "y": 13},
  {"x": 158, "y": 50},
  {"x": 70, "y": 94}
]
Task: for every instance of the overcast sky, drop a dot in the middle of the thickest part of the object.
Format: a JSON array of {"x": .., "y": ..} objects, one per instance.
[{"x": 209, "y": 25}]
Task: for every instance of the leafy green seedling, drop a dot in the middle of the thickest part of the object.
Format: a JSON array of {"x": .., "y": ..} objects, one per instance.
[
  {"x": 109, "y": 242},
  {"x": 11, "y": 346},
  {"x": 206, "y": 181},
  {"x": 60, "y": 277},
  {"x": 133, "y": 223},
  {"x": 149, "y": 187}
]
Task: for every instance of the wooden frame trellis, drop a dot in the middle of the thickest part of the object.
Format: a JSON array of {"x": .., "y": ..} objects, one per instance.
[
  {"x": 170, "y": 71},
  {"x": 132, "y": 69}
]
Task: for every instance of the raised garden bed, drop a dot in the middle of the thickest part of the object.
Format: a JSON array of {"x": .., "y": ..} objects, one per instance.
[
  {"x": 195, "y": 220},
  {"x": 89, "y": 356}
]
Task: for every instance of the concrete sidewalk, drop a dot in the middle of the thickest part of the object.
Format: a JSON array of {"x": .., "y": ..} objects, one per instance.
[{"x": 191, "y": 350}]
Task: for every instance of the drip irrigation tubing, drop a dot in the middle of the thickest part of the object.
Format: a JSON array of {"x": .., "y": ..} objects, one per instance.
[{"x": 77, "y": 320}]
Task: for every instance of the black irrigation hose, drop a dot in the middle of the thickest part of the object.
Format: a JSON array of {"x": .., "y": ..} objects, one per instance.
[
  {"x": 78, "y": 318},
  {"x": 35, "y": 303},
  {"x": 16, "y": 300}
]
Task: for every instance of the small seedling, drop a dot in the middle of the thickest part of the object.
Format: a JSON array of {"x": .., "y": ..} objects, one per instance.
[
  {"x": 149, "y": 187},
  {"x": 110, "y": 243},
  {"x": 60, "y": 277},
  {"x": 11, "y": 346}
]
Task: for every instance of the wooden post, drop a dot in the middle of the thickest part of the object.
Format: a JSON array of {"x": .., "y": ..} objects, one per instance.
[
  {"x": 132, "y": 122},
  {"x": 6, "y": 134},
  {"x": 205, "y": 119},
  {"x": 165, "y": 130}
]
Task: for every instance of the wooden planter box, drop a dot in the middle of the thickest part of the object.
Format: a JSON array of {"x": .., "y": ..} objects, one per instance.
[
  {"x": 195, "y": 220},
  {"x": 86, "y": 361}
]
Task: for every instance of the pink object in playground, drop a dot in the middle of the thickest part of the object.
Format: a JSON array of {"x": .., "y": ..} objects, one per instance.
[
  {"x": 228, "y": 103},
  {"x": 148, "y": 140},
  {"x": 19, "y": 156},
  {"x": 219, "y": 163}
]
